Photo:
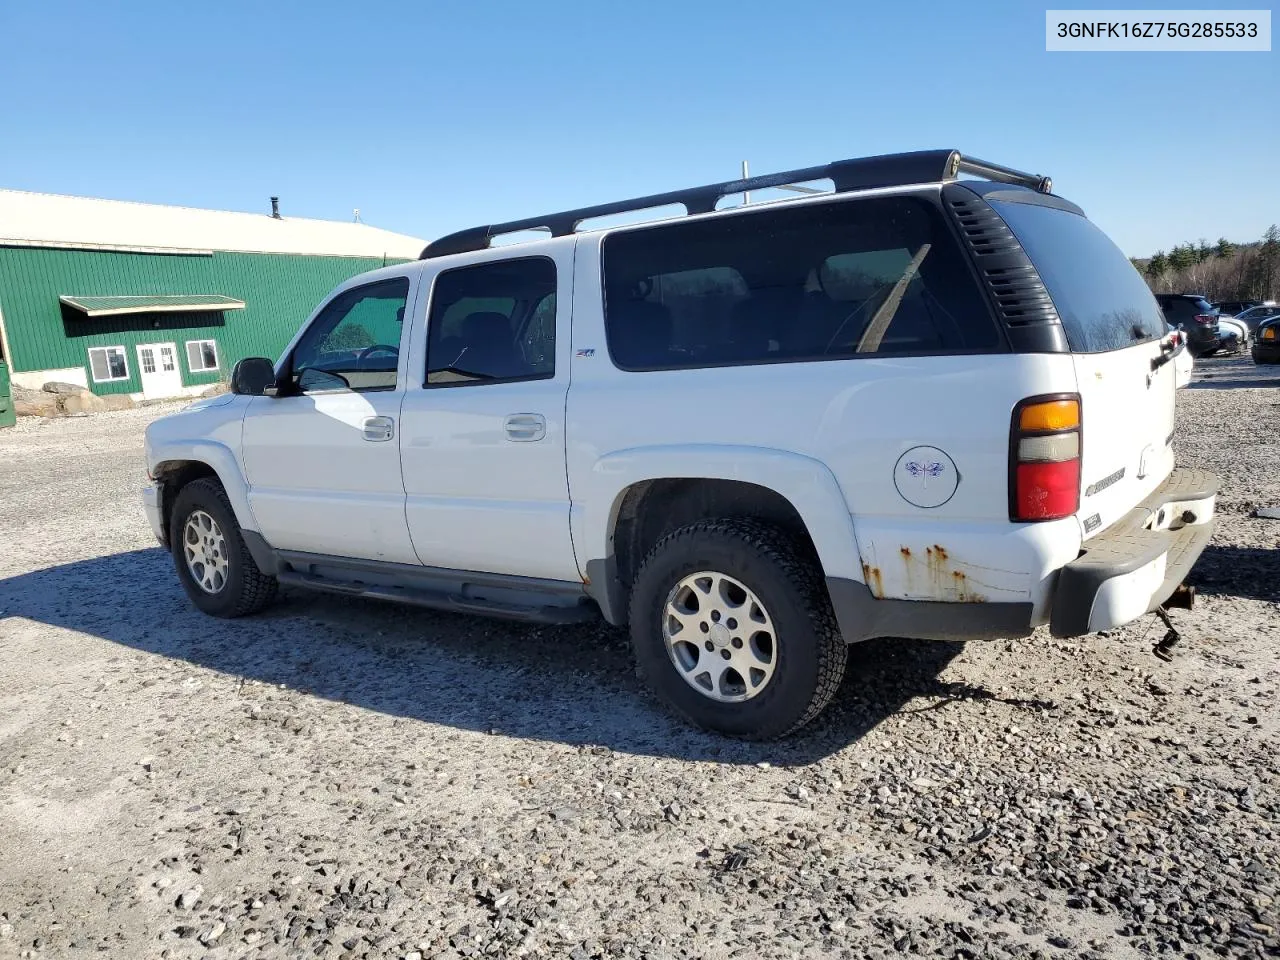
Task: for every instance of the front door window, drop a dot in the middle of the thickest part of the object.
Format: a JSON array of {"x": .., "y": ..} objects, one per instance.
[{"x": 354, "y": 344}]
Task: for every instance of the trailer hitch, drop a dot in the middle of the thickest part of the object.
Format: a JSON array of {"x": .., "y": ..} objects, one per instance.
[
  {"x": 1164, "y": 649},
  {"x": 1183, "y": 598}
]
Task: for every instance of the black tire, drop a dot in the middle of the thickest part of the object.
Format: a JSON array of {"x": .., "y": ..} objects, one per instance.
[
  {"x": 246, "y": 589},
  {"x": 809, "y": 649}
]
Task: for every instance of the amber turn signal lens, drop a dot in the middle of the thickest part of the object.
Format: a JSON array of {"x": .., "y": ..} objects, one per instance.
[
  {"x": 1050, "y": 415},
  {"x": 1269, "y": 333}
]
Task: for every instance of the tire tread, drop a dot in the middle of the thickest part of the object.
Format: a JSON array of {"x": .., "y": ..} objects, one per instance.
[
  {"x": 789, "y": 558},
  {"x": 257, "y": 588}
]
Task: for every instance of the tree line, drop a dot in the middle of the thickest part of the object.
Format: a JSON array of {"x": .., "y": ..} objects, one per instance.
[{"x": 1220, "y": 271}]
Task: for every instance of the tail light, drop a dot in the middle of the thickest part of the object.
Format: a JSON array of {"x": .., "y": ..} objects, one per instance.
[
  {"x": 1044, "y": 458},
  {"x": 1206, "y": 319}
]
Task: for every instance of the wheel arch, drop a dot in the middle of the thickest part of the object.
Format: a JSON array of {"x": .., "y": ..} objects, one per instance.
[
  {"x": 634, "y": 497},
  {"x": 178, "y": 466}
]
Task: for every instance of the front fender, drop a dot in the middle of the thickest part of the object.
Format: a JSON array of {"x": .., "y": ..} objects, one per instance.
[
  {"x": 807, "y": 484},
  {"x": 208, "y": 434},
  {"x": 224, "y": 464}
]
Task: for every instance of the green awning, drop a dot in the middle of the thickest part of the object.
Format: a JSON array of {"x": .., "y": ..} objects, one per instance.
[{"x": 169, "y": 303}]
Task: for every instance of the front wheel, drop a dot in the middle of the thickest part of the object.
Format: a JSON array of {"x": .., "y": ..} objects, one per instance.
[
  {"x": 213, "y": 563},
  {"x": 732, "y": 627}
]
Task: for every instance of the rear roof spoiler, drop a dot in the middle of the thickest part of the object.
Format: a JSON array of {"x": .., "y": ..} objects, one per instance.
[{"x": 864, "y": 173}]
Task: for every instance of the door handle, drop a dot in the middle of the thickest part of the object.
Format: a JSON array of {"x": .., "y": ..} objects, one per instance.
[
  {"x": 378, "y": 429},
  {"x": 525, "y": 426}
]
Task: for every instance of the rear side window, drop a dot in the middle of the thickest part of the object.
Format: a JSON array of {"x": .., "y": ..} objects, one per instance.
[
  {"x": 1103, "y": 302},
  {"x": 826, "y": 281}
]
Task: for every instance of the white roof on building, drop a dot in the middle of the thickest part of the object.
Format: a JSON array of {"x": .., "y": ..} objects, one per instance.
[{"x": 46, "y": 219}]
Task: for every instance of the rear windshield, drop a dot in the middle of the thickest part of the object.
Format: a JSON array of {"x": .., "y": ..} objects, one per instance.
[
  {"x": 1178, "y": 309},
  {"x": 1103, "y": 302}
]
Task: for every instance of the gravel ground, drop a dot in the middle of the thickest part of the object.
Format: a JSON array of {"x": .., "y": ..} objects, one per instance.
[{"x": 341, "y": 778}]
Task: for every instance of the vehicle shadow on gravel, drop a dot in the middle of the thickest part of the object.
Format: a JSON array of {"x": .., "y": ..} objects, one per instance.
[
  {"x": 1248, "y": 572},
  {"x": 572, "y": 685},
  {"x": 1234, "y": 384},
  {"x": 1232, "y": 373}
]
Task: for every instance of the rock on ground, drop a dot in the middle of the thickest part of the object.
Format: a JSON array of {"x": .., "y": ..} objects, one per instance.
[
  {"x": 62, "y": 388},
  {"x": 57, "y": 399},
  {"x": 346, "y": 779}
]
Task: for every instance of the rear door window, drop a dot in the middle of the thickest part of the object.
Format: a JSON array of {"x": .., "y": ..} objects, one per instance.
[
  {"x": 493, "y": 323},
  {"x": 1103, "y": 302},
  {"x": 865, "y": 277}
]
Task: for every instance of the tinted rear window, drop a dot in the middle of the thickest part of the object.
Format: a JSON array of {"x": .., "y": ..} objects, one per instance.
[
  {"x": 1103, "y": 302},
  {"x": 1182, "y": 309},
  {"x": 814, "y": 282}
]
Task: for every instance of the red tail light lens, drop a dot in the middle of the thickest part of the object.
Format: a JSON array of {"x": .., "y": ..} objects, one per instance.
[
  {"x": 1044, "y": 458},
  {"x": 1205, "y": 319},
  {"x": 1048, "y": 491}
]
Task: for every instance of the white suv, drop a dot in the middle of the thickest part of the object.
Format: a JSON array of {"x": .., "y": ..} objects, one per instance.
[{"x": 916, "y": 406}]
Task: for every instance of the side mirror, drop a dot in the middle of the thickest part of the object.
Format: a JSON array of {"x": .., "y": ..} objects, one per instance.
[{"x": 252, "y": 376}]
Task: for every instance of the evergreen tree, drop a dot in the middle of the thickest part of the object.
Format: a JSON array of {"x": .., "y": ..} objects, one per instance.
[
  {"x": 1225, "y": 249},
  {"x": 1180, "y": 258},
  {"x": 1158, "y": 265},
  {"x": 1269, "y": 260}
]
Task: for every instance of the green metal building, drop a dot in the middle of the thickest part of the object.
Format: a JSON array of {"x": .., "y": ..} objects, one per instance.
[{"x": 159, "y": 301}]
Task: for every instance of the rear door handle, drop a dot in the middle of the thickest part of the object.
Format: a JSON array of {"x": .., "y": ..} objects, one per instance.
[
  {"x": 525, "y": 426},
  {"x": 378, "y": 429}
]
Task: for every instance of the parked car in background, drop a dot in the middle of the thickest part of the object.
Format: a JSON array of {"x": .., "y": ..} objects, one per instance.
[
  {"x": 1233, "y": 333},
  {"x": 1266, "y": 342},
  {"x": 1196, "y": 317},
  {"x": 1235, "y": 307},
  {"x": 1254, "y": 316}
]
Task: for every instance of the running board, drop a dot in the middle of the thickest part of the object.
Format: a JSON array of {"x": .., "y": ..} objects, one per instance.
[{"x": 581, "y": 612}]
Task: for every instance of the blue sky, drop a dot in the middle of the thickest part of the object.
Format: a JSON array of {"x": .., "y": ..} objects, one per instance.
[{"x": 431, "y": 116}]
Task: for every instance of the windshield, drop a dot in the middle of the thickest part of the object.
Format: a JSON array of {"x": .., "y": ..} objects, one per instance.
[{"x": 1103, "y": 302}]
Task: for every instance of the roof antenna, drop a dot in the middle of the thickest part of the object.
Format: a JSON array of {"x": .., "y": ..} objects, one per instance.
[{"x": 275, "y": 208}]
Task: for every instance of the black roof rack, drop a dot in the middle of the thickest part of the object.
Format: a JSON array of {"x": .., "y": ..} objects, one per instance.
[{"x": 889, "y": 170}]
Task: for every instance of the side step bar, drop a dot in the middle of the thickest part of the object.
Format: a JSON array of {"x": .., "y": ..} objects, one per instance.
[{"x": 560, "y": 609}]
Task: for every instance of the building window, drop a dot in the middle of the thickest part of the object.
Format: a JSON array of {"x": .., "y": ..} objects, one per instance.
[
  {"x": 108, "y": 364},
  {"x": 202, "y": 355}
]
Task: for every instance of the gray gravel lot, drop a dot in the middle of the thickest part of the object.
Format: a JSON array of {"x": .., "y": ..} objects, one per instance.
[{"x": 341, "y": 778}]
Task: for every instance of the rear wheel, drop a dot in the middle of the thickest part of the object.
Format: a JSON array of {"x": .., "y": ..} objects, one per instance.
[
  {"x": 733, "y": 629},
  {"x": 213, "y": 563}
]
